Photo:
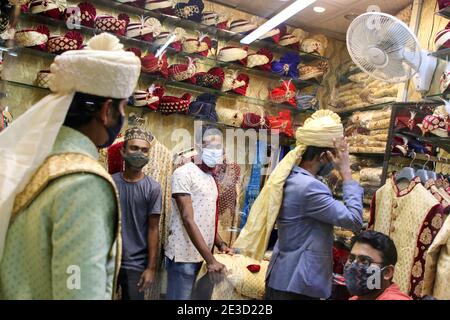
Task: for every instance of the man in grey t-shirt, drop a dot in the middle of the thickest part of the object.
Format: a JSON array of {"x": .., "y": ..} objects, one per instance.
[{"x": 140, "y": 202}]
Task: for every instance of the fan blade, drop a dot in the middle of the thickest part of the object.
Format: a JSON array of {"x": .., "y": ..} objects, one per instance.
[{"x": 396, "y": 70}]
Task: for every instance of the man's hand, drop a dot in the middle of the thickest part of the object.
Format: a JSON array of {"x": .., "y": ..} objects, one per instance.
[
  {"x": 341, "y": 159},
  {"x": 216, "y": 271},
  {"x": 227, "y": 250},
  {"x": 147, "y": 279},
  {"x": 223, "y": 248}
]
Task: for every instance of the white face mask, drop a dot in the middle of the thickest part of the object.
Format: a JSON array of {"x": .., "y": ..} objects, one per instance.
[{"x": 212, "y": 157}]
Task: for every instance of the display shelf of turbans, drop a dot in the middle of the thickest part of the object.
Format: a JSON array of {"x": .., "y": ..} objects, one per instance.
[
  {"x": 150, "y": 61},
  {"x": 236, "y": 95},
  {"x": 221, "y": 69},
  {"x": 356, "y": 90},
  {"x": 192, "y": 15},
  {"x": 418, "y": 132},
  {"x": 283, "y": 139},
  {"x": 258, "y": 64},
  {"x": 295, "y": 104}
]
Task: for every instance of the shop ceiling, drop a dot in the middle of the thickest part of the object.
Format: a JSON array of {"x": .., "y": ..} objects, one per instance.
[{"x": 332, "y": 22}]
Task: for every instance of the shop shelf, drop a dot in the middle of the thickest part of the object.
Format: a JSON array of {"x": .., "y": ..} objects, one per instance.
[
  {"x": 189, "y": 87},
  {"x": 225, "y": 35},
  {"x": 283, "y": 139},
  {"x": 224, "y": 95},
  {"x": 437, "y": 97},
  {"x": 345, "y": 113},
  {"x": 22, "y": 85},
  {"x": 444, "y": 12},
  {"x": 146, "y": 46},
  {"x": 368, "y": 154},
  {"x": 421, "y": 158},
  {"x": 443, "y": 54},
  {"x": 443, "y": 143}
]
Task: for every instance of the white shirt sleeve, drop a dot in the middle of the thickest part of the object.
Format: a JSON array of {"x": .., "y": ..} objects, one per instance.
[{"x": 181, "y": 181}]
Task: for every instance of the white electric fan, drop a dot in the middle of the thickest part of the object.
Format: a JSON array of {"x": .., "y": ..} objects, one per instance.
[{"x": 385, "y": 48}]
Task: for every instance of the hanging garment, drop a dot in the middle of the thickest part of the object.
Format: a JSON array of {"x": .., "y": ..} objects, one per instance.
[
  {"x": 227, "y": 178},
  {"x": 412, "y": 233},
  {"x": 437, "y": 267},
  {"x": 254, "y": 185},
  {"x": 440, "y": 195}
]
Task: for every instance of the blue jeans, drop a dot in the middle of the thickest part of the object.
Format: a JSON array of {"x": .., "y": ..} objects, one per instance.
[{"x": 181, "y": 278}]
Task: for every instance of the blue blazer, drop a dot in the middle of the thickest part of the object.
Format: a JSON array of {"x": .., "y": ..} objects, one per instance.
[{"x": 302, "y": 258}]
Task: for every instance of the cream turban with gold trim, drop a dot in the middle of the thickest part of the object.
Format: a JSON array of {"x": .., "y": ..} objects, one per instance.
[
  {"x": 103, "y": 68},
  {"x": 319, "y": 130}
]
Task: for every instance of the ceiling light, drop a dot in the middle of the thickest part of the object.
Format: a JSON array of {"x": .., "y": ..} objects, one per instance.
[
  {"x": 282, "y": 16},
  {"x": 319, "y": 9}
]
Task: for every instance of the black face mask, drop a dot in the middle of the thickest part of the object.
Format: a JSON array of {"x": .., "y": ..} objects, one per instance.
[
  {"x": 113, "y": 132},
  {"x": 358, "y": 279},
  {"x": 325, "y": 169},
  {"x": 136, "y": 160}
]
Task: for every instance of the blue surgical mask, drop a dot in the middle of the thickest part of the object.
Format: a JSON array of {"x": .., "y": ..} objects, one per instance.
[
  {"x": 113, "y": 132},
  {"x": 325, "y": 169},
  {"x": 212, "y": 157}
]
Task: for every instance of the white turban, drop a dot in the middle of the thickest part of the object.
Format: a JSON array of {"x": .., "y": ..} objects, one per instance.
[
  {"x": 103, "y": 68},
  {"x": 319, "y": 130}
]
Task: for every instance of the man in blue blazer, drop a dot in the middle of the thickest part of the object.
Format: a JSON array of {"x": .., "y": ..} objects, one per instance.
[{"x": 301, "y": 264}]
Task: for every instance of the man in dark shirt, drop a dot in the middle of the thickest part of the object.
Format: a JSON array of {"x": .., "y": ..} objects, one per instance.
[{"x": 140, "y": 202}]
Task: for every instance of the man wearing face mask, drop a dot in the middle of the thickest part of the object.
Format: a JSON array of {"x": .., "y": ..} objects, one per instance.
[
  {"x": 59, "y": 213},
  {"x": 140, "y": 202},
  {"x": 301, "y": 264},
  {"x": 370, "y": 268},
  {"x": 193, "y": 225}
]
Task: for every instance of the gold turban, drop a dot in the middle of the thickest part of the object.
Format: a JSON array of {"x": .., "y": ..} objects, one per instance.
[{"x": 319, "y": 130}]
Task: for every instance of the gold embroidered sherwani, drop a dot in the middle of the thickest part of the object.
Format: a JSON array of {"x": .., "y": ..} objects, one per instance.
[
  {"x": 412, "y": 218},
  {"x": 64, "y": 233}
]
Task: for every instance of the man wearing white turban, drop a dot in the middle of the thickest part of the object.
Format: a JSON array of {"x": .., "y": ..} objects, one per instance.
[
  {"x": 59, "y": 212},
  {"x": 305, "y": 212}
]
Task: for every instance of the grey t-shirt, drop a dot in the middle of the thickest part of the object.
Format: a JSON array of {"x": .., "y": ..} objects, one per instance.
[{"x": 138, "y": 200}]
